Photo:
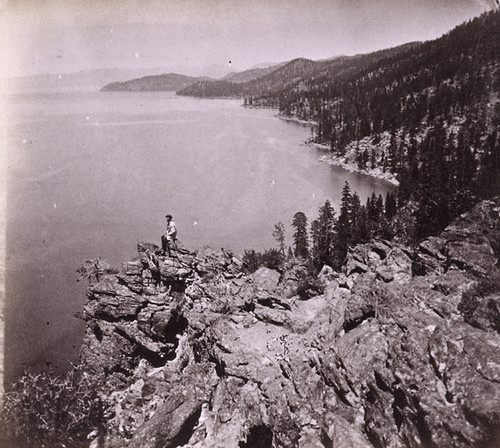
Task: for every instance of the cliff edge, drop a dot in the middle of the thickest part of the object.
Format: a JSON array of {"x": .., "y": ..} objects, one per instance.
[{"x": 402, "y": 349}]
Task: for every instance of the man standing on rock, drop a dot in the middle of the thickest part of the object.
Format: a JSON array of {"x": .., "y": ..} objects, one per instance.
[{"x": 169, "y": 237}]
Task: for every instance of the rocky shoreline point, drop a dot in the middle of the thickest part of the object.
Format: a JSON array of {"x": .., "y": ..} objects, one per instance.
[{"x": 401, "y": 350}]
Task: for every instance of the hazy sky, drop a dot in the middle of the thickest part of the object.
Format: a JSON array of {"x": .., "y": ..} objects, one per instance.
[{"x": 61, "y": 36}]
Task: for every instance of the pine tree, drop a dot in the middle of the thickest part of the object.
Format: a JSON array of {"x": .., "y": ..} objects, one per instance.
[
  {"x": 390, "y": 206},
  {"x": 433, "y": 215},
  {"x": 324, "y": 236},
  {"x": 489, "y": 179},
  {"x": 279, "y": 236},
  {"x": 300, "y": 238},
  {"x": 315, "y": 238},
  {"x": 360, "y": 228},
  {"x": 392, "y": 162},
  {"x": 343, "y": 228}
]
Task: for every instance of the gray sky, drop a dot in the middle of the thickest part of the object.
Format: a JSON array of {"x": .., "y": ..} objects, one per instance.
[{"x": 62, "y": 36}]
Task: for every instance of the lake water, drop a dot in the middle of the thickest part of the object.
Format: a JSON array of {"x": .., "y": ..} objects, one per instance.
[{"x": 91, "y": 174}]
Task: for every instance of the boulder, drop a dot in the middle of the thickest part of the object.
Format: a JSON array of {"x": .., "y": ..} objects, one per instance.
[
  {"x": 174, "y": 420},
  {"x": 327, "y": 274},
  {"x": 269, "y": 315},
  {"x": 292, "y": 279},
  {"x": 132, "y": 268},
  {"x": 430, "y": 256},
  {"x": 397, "y": 266},
  {"x": 115, "y": 307},
  {"x": 477, "y": 258},
  {"x": 160, "y": 323},
  {"x": 485, "y": 313},
  {"x": 133, "y": 282},
  {"x": 266, "y": 278},
  {"x": 340, "y": 433},
  {"x": 473, "y": 238},
  {"x": 305, "y": 315},
  {"x": 354, "y": 266},
  {"x": 130, "y": 331}
]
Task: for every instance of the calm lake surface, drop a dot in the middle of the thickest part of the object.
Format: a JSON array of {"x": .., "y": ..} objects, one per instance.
[{"x": 91, "y": 174}]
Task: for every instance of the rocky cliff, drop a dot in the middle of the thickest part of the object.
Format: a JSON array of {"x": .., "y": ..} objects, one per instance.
[{"x": 402, "y": 349}]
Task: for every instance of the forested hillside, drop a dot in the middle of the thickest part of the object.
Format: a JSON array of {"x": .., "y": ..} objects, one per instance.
[
  {"x": 429, "y": 113},
  {"x": 290, "y": 77},
  {"x": 251, "y": 74}
]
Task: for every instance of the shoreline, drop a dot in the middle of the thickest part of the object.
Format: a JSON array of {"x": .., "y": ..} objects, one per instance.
[
  {"x": 31, "y": 356},
  {"x": 296, "y": 120},
  {"x": 335, "y": 160}
]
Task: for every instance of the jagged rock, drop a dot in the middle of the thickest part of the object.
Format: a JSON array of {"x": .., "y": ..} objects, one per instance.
[
  {"x": 401, "y": 350},
  {"x": 271, "y": 300},
  {"x": 266, "y": 278},
  {"x": 160, "y": 323},
  {"x": 305, "y": 315},
  {"x": 107, "y": 355},
  {"x": 485, "y": 313},
  {"x": 343, "y": 363},
  {"x": 340, "y": 433},
  {"x": 473, "y": 238},
  {"x": 291, "y": 280},
  {"x": 236, "y": 264},
  {"x": 403, "y": 375},
  {"x": 169, "y": 269},
  {"x": 148, "y": 282},
  {"x": 397, "y": 266},
  {"x": 132, "y": 267},
  {"x": 114, "y": 306},
  {"x": 355, "y": 267},
  {"x": 366, "y": 256},
  {"x": 269, "y": 315},
  {"x": 108, "y": 285},
  {"x": 477, "y": 258},
  {"x": 327, "y": 274},
  {"x": 150, "y": 260},
  {"x": 390, "y": 262},
  {"x": 145, "y": 247},
  {"x": 338, "y": 300},
  {"x": 133, "y": 282},
  {"x": 430, "y": 256},
  {"x": 381, "y": 248},
  {"x": 133, "y": 406},
  {"x": 360, "y": 301},
  {"x": 173, "y": 422},
  {"x": 210, "y": 262},
  {"x": 130, "y": 331}
]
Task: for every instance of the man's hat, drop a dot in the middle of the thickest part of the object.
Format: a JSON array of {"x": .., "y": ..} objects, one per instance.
[{"x": 168, "y": 216}]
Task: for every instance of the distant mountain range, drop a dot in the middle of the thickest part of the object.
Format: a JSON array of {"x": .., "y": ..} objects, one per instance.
[
  {"x": 165, "y": 82},
  {"x": 95, "y": 79},
  {"x": 289, "y": 76},
  {"x": 226, "y": 86},
  {"x": 177, "y": 82},
  {"x": 85, "y": 79}
]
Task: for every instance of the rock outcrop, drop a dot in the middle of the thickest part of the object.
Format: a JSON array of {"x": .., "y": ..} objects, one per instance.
[{"x": 401, "y": 350}]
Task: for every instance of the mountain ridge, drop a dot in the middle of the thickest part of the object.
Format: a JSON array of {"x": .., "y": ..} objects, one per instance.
[
  {"x": 163, "y": 82},
  {"x": 425, "y": 114},
  {"x": 253, "y": 73}
]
